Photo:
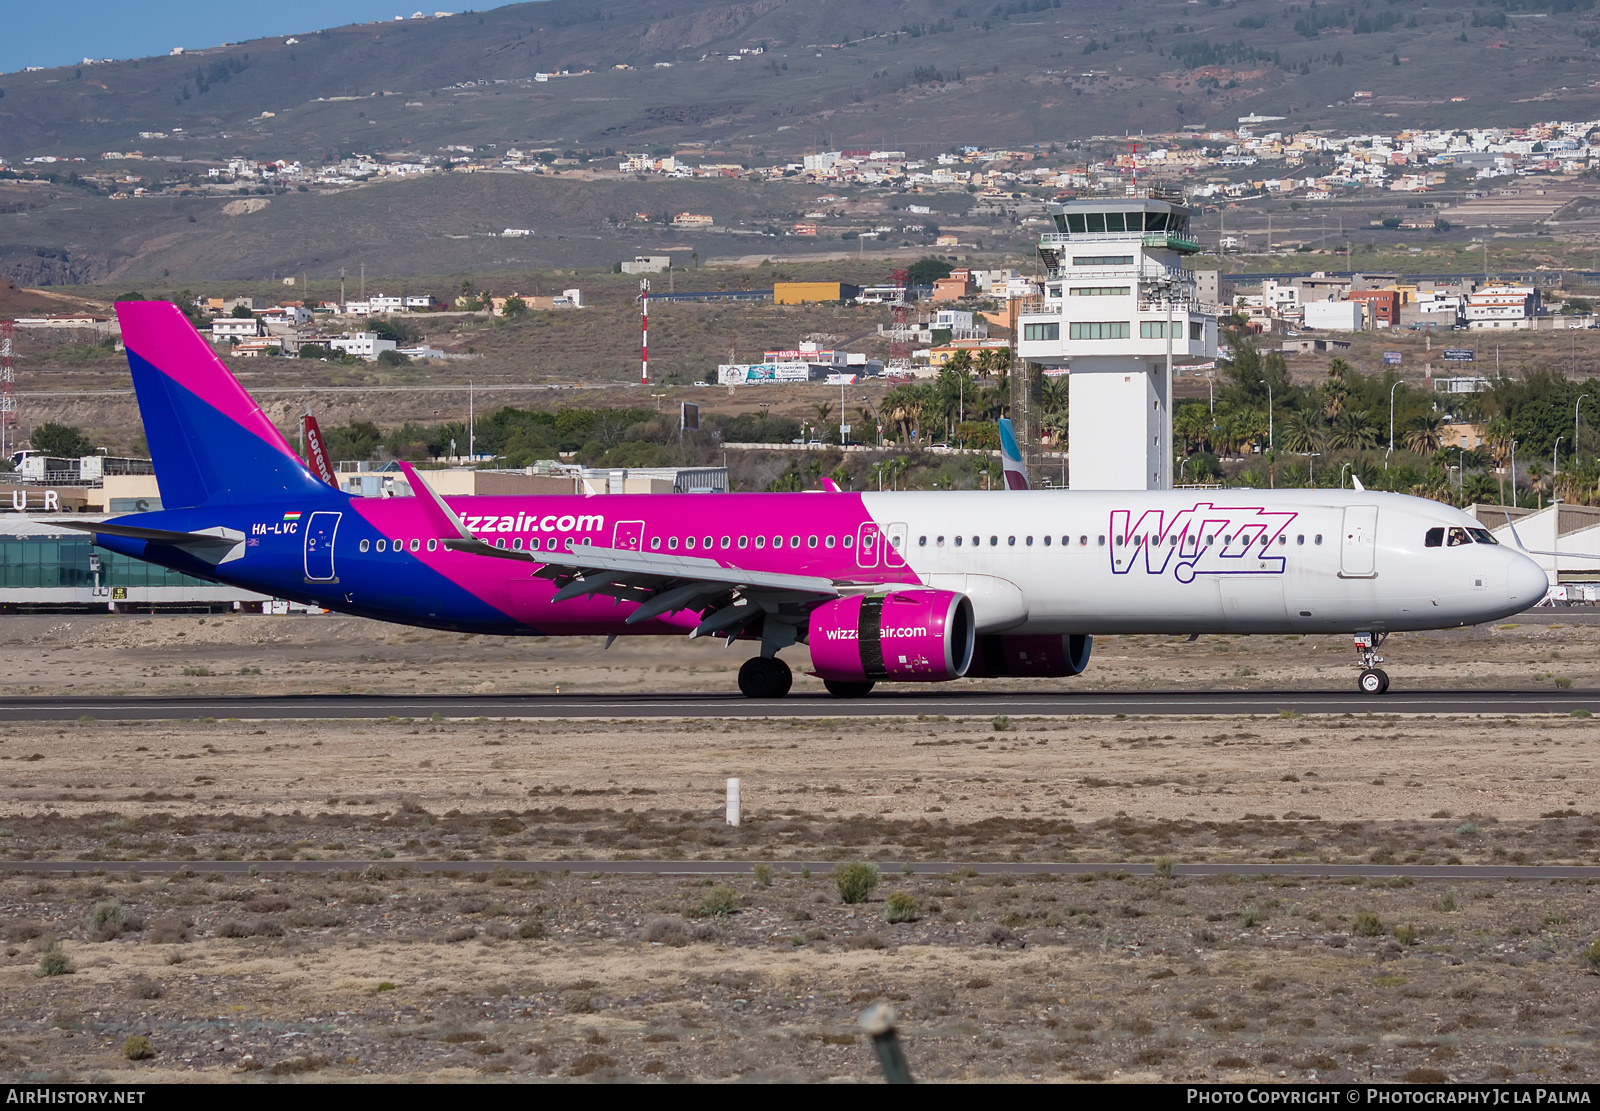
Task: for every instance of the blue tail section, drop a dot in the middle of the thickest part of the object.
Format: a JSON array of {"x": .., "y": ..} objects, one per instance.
[{"x": 211, "y": 443}]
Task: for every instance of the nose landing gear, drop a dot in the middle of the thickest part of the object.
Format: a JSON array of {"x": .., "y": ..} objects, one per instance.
[{"x": 1373, "y": 680}]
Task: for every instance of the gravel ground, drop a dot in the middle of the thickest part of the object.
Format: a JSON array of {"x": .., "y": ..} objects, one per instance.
[{"x": 406, "y": 970}]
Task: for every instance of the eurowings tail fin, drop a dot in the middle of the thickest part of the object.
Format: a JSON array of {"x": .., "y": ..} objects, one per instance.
[
  {"x": 1011, "y": 456},
  {"x": 210, "y": 441}
]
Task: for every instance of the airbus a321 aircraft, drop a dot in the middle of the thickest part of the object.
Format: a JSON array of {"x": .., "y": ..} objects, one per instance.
[{"x": 898, "y": 587}]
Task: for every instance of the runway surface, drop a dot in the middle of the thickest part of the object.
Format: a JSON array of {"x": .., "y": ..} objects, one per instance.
[
  {"x": 1308, "y": 870},
  {"x": 953, "y": 703}
]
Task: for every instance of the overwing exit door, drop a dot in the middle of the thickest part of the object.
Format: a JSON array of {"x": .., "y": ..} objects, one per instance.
[{"x": 628, "y": 536}]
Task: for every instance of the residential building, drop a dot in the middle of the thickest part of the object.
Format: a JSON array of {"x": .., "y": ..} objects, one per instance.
[
  {"x": 938, "y": 356},
  {"x": 226, "y": 328},
  {"x": 362, "y": 345},
  {"x": 955, "y": 287},
  {"x": 1119, "y": 309},
  {"x": 690, "y": 220},
  {"x": 1334, "y": 316},
  {"x": 1502, "y": 306},
  {"x": 648, "y": 264},
  {"x": 1383, "y": 305}
]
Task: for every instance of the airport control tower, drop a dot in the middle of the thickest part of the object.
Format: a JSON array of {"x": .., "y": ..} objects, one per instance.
[{"x": 1121, "y": 314}]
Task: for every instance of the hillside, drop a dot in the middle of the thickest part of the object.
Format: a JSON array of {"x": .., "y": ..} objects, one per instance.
[{"x": 919, "y": 75}]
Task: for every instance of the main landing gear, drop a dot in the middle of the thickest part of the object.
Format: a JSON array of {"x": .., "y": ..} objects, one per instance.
[
  {"x": 1374, "y": 680},
  {"x": 839, "y": 688},
  {"x": 765, "y": 677}
]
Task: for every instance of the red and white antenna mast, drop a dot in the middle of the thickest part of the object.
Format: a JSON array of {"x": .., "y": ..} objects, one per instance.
[
  {"x": 644, "y": 331},
  {"x": 8, "y": 390},
  {"x": 899, "y": 339}
]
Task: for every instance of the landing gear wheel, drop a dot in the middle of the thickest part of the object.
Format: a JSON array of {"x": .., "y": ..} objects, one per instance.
[
  {"x": 840, "y": 689},
  {"x": 1373, "y": 681},
  {"x": 761, "y": 677}
]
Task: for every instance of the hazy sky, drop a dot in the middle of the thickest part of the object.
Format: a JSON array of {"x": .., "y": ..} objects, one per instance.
[{"x": 39, "y": 34}]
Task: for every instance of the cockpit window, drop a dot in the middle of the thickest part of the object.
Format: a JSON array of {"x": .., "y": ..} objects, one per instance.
[
  {"x": 1458, "y": 537},
  {"x": 1435, "y": 538},
  {"x": 1483, "y": 536}
]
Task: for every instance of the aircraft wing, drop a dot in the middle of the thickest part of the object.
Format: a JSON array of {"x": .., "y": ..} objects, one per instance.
[{"x": 728, "y": 599}]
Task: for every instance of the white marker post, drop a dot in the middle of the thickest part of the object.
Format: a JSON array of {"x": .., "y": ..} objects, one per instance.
[{"x": 733, "y": 802}]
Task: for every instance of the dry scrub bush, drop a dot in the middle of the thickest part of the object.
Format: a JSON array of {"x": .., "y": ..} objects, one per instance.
[
  {"x": 1367, "y": 924},
  {"x": 719, "y": 902},
  {"x": 763, "y": 874},
  {"x": 900, "y": 906},
  {"x": 137, "y": 1048},
  {"x": 1591, "y": 956},
  {"x": 53, "y": 962},
  {"x": 105, "y": 921},
  {"x": 257, "y": 927},
  {"x": 856, "y": 880}
]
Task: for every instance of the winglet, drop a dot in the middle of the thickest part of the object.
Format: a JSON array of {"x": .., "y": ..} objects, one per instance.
[
  {"x": 828, "y": 484},
  {"x": 1357, "y": 481},
  {"x": 439, "y": 515},
  {"x": 1011, "y": 457},
  {"x": 1520, "y": 545}
]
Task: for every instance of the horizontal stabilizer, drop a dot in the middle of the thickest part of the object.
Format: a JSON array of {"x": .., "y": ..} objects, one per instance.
[{"x": 214, "y": 545}]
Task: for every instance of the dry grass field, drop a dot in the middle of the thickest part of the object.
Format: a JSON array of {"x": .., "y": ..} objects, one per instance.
[{"x": 399, "y": 967}]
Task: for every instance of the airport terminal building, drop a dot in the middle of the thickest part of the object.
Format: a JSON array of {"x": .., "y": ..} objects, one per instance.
[{"x": 46, "y": 568}]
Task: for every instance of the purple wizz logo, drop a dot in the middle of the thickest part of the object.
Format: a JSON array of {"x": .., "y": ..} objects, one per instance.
[{"x": 1205, "y": 540}]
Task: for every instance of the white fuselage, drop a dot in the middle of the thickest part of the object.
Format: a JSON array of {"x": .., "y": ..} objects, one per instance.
[{"x": 1189, "y": 561}]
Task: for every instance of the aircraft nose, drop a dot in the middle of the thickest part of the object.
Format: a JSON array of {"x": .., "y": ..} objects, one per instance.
[{"x": 1526, "y": 582}]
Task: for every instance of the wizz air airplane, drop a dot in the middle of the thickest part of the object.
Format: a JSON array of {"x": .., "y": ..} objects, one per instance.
[{"x": 896, "y": 587}]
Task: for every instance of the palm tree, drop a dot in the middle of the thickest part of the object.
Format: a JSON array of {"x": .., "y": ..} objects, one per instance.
[
  {"x": 1229, "y": 432},
  {"x": 1193, "y": 424},
  {"x": 1479, "y": 488},
  {"x": 1336, "y": 390},
  {"x": 1302, "y": 432},
  {"x": 1538, "y": 475},
  {"x": 1054, "y": 393},
  {"x": 1423, "y": 433},
  {"x": 1497, "y": 434},
  {"x": 1354, "y": 431}
]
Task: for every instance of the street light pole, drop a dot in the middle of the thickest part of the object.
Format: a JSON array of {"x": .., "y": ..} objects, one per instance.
[
  {"x": 1390, "y": 452},
  {"x": 1575, "y": 415},
  {"x": 1555, "y": 456},
  {"x": 1271, "y": 443},
  {"x": 1513, "y": 472},
  {"x": 1342, "y": 468}
]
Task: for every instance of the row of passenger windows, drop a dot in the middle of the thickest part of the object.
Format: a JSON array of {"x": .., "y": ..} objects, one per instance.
[
  {"x": 847, "y": 542},
  {"x": 1434, "y": 540},
  {"x": 1100, "y": 541},
  {"x": 433, "y": 545},
  {"x": 689, "y": 543}
]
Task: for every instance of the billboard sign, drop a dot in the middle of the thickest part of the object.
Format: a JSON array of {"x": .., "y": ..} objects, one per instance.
[
  {"x": 755, "y": 374},
  {"x": 1391, "y": 358},
  {"x": 689, "y": 418},
  {"x": 1460, "y": 355}
]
